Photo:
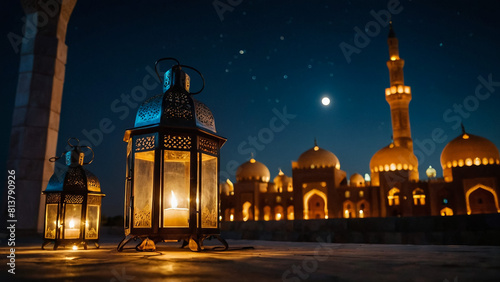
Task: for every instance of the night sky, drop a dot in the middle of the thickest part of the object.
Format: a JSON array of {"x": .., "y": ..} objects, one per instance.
[{"x": 262, "y": 57}]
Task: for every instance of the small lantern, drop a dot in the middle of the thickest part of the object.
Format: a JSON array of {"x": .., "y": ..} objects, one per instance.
[
  {"x": 73, "y": 202},
  {"x": 172, "y": 176}
]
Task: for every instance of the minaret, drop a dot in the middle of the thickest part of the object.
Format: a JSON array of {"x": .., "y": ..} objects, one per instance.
[{"x": 398, "y": 95}]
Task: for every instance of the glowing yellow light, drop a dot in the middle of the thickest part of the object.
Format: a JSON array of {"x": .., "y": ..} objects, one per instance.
[
  {"x": 375, "y": 169},
  {"x": 393, "y": 167},
  {"x": 400, "y": 89},
  {"x": 387, "y": 91},
  {"x": 477, "y": 161},
  {"x": 173, "y": 200},
  {"x": 278, "y": 216},
  {"x": 407, "y": 89},
  {"x": 393, "y": 89},
  {"x": 75, "y": 247},
  {"x": 220, "y": 217},
  {"x": 460, "y": 163},
  {"x": 386, "y": 167},
  {"x": 252, "y": 160},
  {"x": 448, "y": 164},
  {"x": 361, "y": 214},
  {"x": 399, "y": 166},
  {"x": 468, "y": 162},
  {"x": 393, "y": 58},
  {"x": 231, "y": 217},
  {"x": 71, "y": 224},
  {"x": 410, "y": 167},
  {"x": 465, "y": 136},
  {"x": 346, "y": 214},
  {"x": 405, "y": 166},
  {"x": 492, "y": 161},
  {"x": 485, "y": 161},
  {"x": 316, "y": 148},
  {"x": 380, "y": 168}
]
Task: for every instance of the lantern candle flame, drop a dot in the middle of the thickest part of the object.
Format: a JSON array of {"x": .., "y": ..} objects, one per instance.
[
  {"x": 173, "y": 201},
  {"x": 174, "y": 216}
]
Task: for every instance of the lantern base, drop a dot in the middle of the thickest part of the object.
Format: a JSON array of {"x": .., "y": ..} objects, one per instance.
[
  {"x": 194, "y": 242},
  {"x": 64, "y": 243}
]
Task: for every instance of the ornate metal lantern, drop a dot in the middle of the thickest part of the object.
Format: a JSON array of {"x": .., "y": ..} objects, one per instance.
[
  {"x": 172, "y": 173},
  {"x": 73, "y": 202}
]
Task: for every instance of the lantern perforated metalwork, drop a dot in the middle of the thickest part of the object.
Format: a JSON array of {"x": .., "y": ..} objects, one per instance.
[
  {"x": 72, "y": 202},
  {"x": 171, "y": 190}
]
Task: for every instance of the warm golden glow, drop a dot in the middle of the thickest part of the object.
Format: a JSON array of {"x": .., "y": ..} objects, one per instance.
[
  {"x": 480, "y": 186},
  {"x": 465, "y": 136},
  {"x": 468, "y": 162},
  {"x": 173, "y": 200},
  {"x": 387, "y": 91},
  {"x": 75, "y": 247},
  {"x": 278, "y": 216},
  {"x": 460, "y": 163},
  {"x": 446, "y": 212},
  {"x": 393, "y": 167},
  {"x": 71, "y": 223},
  {"x": 361, "y": 214},
  {"x": 231, "y": 217},
  {"x": 393, "y": 58},
  {"x": 393, "y": 197},
  {"x": 346, "y": 214},
  {"x": 407, "y": 89},
  {"x": 400, "y": 89},
  {"x": 252, "y": 160},
  {"x": 418, "y": 197},
  {"x": 316, "y": 148}
]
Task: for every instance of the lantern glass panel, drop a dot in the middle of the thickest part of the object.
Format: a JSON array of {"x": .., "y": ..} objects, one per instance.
[
  {"x": 51, "y": 221},
  {"x": 209, "y": 205},
  {"x": 176, "y": 178},
  {"x": 143, "y": 188},
  {"x": 92, "y": 222},
  {"x": 72, "y": 221}
]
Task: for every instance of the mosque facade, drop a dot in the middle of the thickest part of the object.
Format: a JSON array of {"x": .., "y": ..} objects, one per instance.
[{"x": 319, "y": 189}]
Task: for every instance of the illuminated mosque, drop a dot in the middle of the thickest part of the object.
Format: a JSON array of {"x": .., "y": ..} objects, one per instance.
[{"x": 319, "y": 189}]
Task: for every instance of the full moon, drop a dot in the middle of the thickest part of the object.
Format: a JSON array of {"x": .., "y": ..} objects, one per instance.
[{"x": 325, "y": 101}]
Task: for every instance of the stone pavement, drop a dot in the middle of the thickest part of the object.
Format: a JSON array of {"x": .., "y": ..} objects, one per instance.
[{"x": 266, "y": 261}]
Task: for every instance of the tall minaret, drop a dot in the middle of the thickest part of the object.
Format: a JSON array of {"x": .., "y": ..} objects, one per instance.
[{"x": 398, "y": 95}]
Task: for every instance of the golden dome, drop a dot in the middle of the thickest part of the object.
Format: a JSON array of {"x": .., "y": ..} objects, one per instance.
[
  {"x": 468, "y": 150},
  {"x": 253, "y": 170},
  {"x": 357, "y": 180},
  {"x": 282, "y": 179},
  {"x": 317, "y": 157},
  {"x": 392, "y": 158}
]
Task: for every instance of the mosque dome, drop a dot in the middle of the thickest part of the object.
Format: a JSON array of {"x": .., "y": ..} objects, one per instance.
[
  {"x": 357, "y": 180},
  {"x": 391, "y": 158},
  {"x": 317, "y": 157},
  {"x": 468, "y": 150},
  {"x": 282, "y": 179},
  {"x": 253, "y": 170}
]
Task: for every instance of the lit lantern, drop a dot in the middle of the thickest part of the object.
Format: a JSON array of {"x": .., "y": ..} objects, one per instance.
[
  {"x": 72, "y": 202},
  {"x": 172, "y": 177}
]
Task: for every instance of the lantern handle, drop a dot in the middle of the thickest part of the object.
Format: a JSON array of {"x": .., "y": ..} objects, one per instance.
[
  {"x": 93, "y": 155},
  {"x": 163, "y": 59},
  {"x": 202, "y": 78},
  {"x": 77, "y": 142}
]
